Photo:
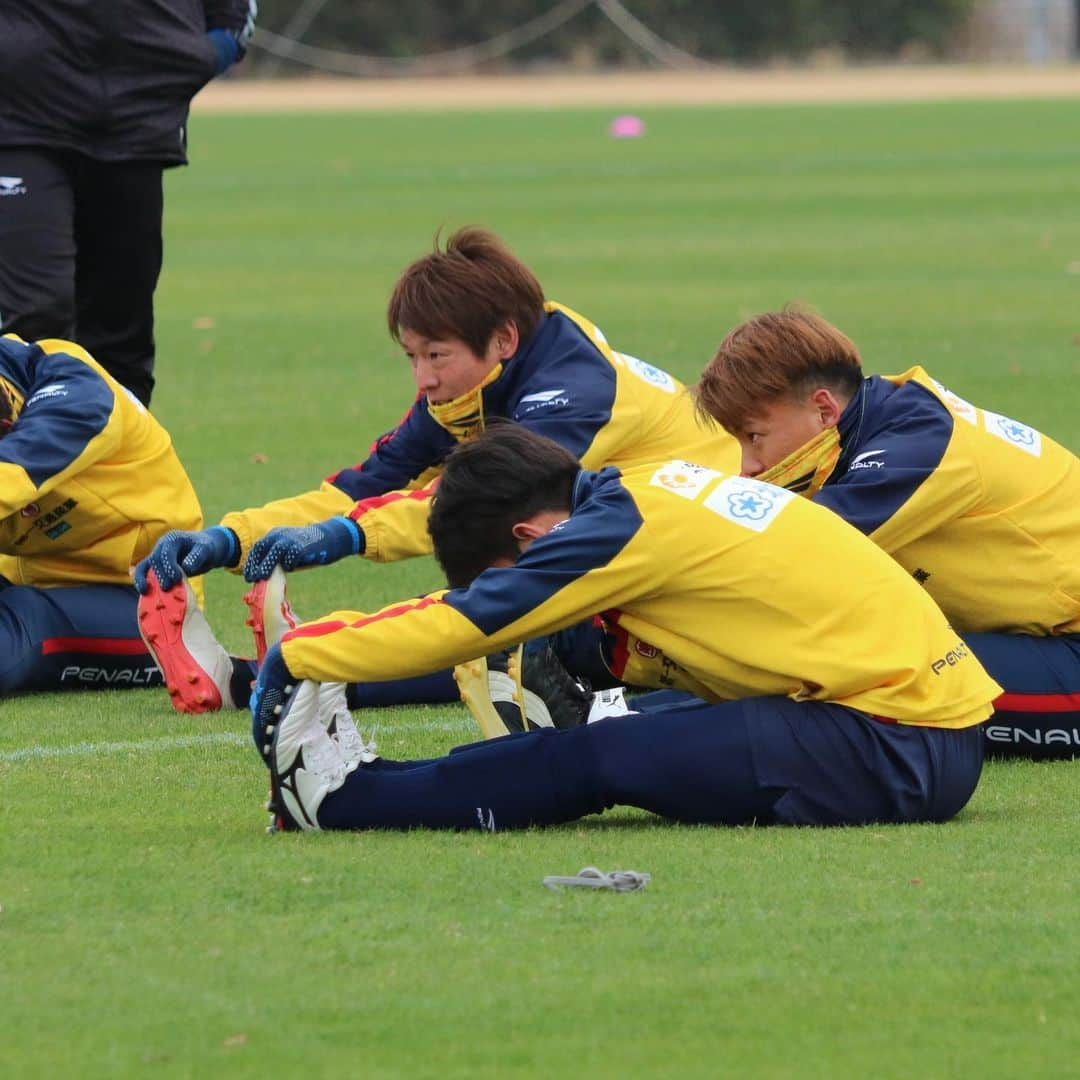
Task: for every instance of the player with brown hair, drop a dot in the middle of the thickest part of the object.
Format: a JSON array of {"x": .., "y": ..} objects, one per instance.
[
  {"x": 982, "y": 510},
  {"x": 482, "y": 342}
]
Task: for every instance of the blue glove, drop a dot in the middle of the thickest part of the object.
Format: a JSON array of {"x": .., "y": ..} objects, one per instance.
[
  {"x": 227, "y": 48},
  {"x": 232, "y": 44},
  {"x": 267, "y": 694},
  {"x": 179, "y": 554},
  {"x": 309, "y": 545}
]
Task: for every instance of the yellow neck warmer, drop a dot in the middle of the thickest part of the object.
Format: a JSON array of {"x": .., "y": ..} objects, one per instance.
[
  {"x": 12, "y": 405},
  {"x": 464, "y": 416},
  {"x": 805, "y": 470}
]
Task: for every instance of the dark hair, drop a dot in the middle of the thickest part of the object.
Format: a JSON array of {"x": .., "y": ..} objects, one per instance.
[
  {"x": 780, "y": 354},
  {"x": 466, "y": 292},
  {"x": 490, "y": 483}
]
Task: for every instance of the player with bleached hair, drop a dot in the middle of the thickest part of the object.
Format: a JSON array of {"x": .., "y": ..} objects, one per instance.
[
  {"x": 481, "y": 342},
  {"x": 89, "y": 481},
  {"x": 828, "y": 687},
  {"x": 980, "y": 509}
]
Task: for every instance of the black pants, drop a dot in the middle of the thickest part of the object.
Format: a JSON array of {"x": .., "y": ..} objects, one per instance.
[{"x": 80, "y": 254}]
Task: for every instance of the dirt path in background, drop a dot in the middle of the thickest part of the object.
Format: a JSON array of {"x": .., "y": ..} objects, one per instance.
[{"x": 622, "y": 90}]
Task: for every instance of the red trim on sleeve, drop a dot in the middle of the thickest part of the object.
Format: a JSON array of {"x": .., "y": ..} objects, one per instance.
[
  {"x": 620, "y": 650},
  {"x": 106, "y": 646},
  {"x": 321, "y": 629},
  {"x": 1038, "y": 703},
  {"x": 373, "y": 502}
]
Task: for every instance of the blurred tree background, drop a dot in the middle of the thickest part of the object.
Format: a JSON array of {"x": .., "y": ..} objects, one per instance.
[{"x": 737, "y": 31}]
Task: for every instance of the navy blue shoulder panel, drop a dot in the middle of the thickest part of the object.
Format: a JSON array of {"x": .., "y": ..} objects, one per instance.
[
  {"x": 892, "y": 439},
  {"x": 68, "y": 404},
  {"x": 559, "y": 385},
  {"x": 15, "y": 359},
  {"x": 603, "y": 521}
]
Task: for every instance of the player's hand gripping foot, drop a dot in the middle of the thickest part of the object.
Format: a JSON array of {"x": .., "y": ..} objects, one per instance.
[
  {"x": 270, "y": 616},
  {"x": 197, "y": 669},
  {"x": 305, "y": 763}
]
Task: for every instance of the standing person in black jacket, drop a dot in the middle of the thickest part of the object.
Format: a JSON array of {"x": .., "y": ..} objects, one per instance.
[{"x": 93, "y": 106}]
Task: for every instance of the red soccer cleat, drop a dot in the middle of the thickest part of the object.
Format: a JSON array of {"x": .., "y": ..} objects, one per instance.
[
  {"x": 271, "y": 616},
  {"x": 197, "y": 669}
]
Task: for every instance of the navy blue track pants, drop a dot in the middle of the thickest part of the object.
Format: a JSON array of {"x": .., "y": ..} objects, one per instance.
[
  {"x": 765, "y": 760},
  {"x": 74, "y": 637}
]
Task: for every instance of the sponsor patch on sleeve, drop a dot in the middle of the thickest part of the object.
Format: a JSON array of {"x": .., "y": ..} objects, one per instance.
[
  {"x": 1012, "y": 431},
  {"x": 748, "y": 502},
  {"x": 682, "y": 478},
  {"x": 650, "y": 373},
  {"x": 957, "y": 405}
]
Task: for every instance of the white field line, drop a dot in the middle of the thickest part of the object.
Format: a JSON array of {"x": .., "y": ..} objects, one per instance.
[
  {"x": 102, "y": 749},
  {"x": 184, "y": 742}
]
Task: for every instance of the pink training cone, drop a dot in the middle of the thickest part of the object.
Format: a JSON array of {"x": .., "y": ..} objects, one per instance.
[{"x": 627, "y": 127}]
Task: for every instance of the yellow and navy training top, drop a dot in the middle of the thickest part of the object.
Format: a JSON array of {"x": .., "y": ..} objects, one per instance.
[
  {"x": 89, "y": 480},
  {"x": 738, "y": 588},
  {"x": 984, "y": 511},
  {"x": 565, "y": 382}
]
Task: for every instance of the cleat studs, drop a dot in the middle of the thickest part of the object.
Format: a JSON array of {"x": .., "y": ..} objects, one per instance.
[
  {"x": 277, "y": 710},
  {"x": 269, "y": 730},
  {"x": 266, "y": 750}
]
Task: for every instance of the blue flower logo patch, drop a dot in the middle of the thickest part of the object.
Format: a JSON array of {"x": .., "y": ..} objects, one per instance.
[{"x": 748, "y": 502}]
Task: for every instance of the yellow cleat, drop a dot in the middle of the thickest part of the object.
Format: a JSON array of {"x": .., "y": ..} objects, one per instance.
[{"x": 491, "y": 690}]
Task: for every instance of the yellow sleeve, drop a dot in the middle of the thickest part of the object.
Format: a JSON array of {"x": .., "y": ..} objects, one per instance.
[
  {"x": 561, "y": 579},
  {"x": 69, "y": 422},
  {"x": 395, "y": 525},
  {"x": 402, "y": 640}
]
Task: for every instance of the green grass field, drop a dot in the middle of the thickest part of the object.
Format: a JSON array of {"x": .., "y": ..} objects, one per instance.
[{"x": 150, "y": 928}]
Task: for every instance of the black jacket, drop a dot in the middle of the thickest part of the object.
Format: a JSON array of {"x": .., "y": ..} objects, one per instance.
[{"x": 111, "y": 79}]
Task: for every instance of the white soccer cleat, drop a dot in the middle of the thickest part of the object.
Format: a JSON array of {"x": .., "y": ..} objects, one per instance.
[
  {"x": 337, "y": 719},
  {"x": 271, "y": 616},
  {"x": 306, "y": 764},
  {"x": 196, "y": 667}
]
